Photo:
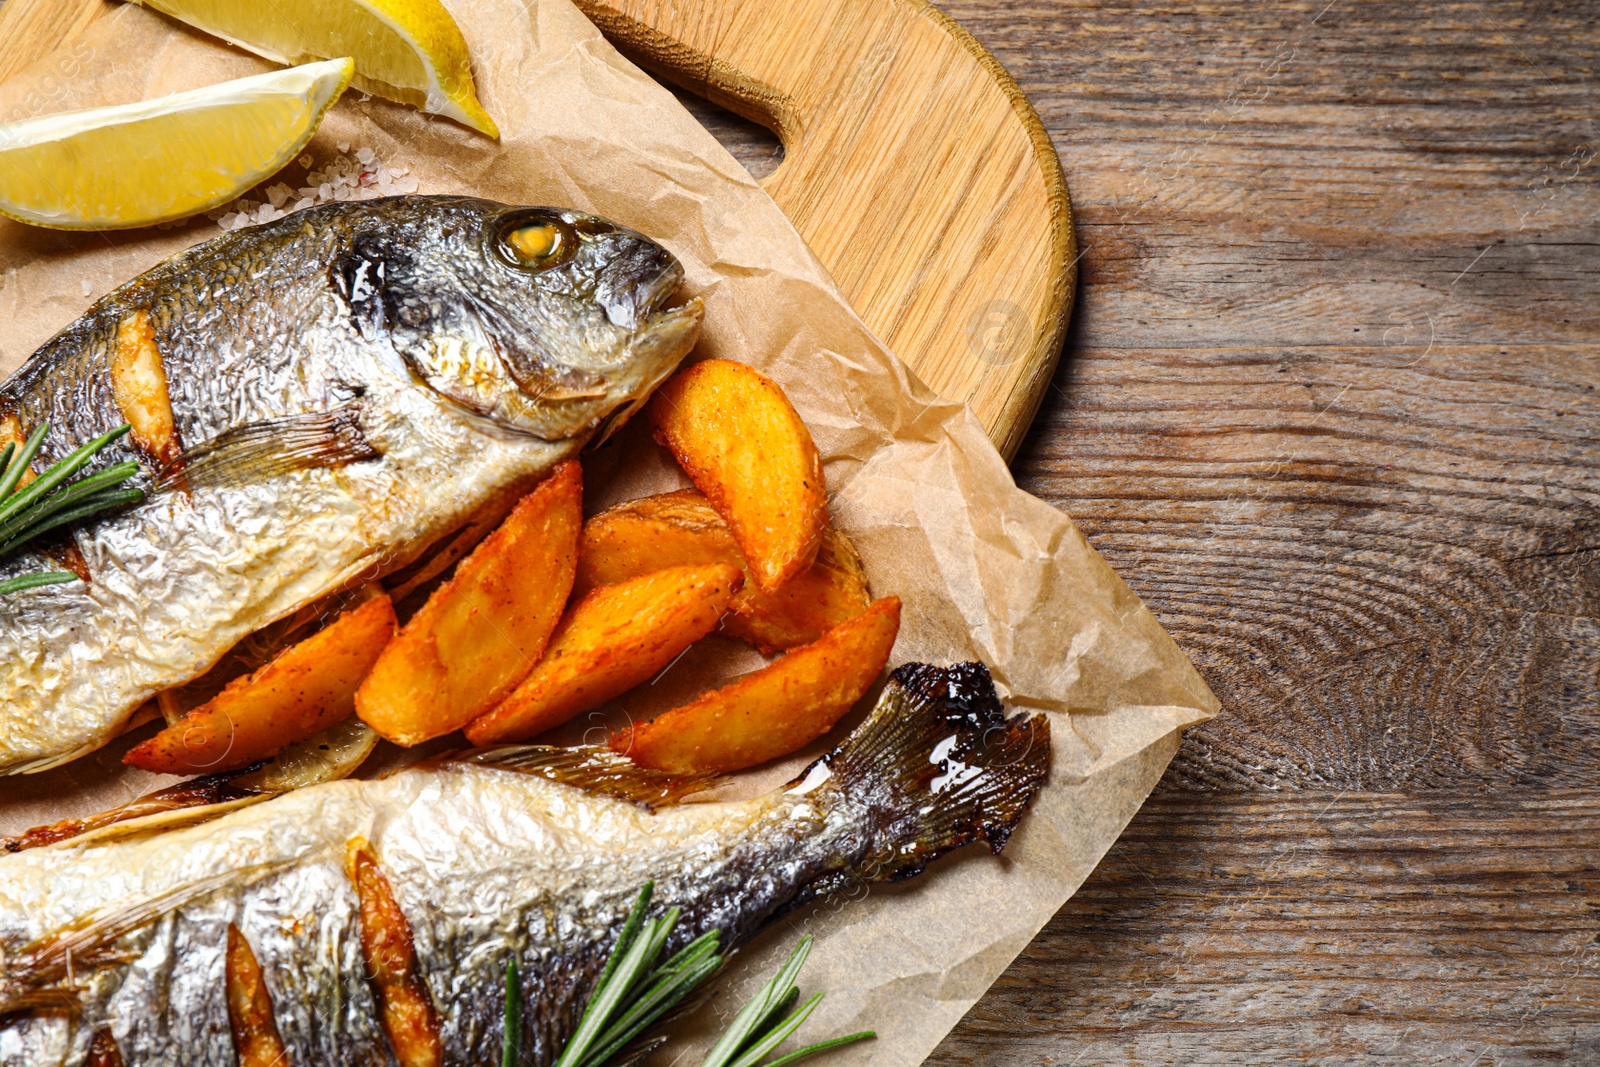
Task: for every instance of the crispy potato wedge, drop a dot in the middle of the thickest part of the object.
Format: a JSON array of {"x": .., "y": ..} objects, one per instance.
[
  {"x": 638, "y": 536},
  {"x": 682, "y": 528},
  {"x": 481, "y": 632},
  {"x": 306, "y": 689},
  {"x": 743, "y": 445},
  {"x": 774, "y": 711},
  {"x": 614, "y": 638},
  {"x": 257, "y": 650}
]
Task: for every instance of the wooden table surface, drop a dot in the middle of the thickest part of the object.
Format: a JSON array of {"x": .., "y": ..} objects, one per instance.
[{"x": 1328, "y": 403}]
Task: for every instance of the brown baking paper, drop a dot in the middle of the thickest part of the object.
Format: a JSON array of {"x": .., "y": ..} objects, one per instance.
[{"x": 985, "y": 571}]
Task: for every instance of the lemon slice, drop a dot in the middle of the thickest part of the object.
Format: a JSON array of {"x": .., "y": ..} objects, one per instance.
[
  {"x": 406, "y": 50},
  {"x": 138, "y": 164}
]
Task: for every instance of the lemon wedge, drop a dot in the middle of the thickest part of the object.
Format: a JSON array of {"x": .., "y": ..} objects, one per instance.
[
  {"x": 406, "y": 50},
  {"x": 139, "y": 164}
]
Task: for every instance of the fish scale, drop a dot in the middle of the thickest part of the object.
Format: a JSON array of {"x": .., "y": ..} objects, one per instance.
[{"x": 260, "y": 328}]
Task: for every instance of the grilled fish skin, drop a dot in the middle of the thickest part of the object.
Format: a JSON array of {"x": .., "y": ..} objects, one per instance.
[
  {"x": 348, "y": 385},
  {"x": 486, "y": 863}
]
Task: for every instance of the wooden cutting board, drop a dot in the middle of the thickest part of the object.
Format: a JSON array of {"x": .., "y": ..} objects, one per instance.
[{"x": 913, "y": 166}]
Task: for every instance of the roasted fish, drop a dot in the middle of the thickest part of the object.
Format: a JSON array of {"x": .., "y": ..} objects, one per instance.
[
  {"x": 370, "y": 922},
  {"x": 314, "y": 401}
]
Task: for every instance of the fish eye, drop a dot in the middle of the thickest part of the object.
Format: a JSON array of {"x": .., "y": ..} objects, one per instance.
[{"x": 536, "y": 244}]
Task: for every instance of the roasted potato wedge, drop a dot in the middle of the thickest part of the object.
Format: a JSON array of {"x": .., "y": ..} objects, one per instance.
[
  {"x": 682, "y": 528},
  {"x": 743, "y": 445},
  {"x": 481, "y": 632},
  {"x": 775, "y": 710},
  {"x": 306, "y": 689},
  {"x": 612, "y": 639}
]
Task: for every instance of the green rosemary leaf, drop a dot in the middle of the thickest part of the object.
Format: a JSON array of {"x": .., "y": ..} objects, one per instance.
[
  {"x": 608, "y": 997},
  {"x": 52, "y": 500},
  {"x": 766, "y": 1022},
  {"x": 91, "y": 505},
  {"x": 634, "y": 992},
  {"x": 33, "y": 581},
  {"x": 821, "y": 1046},
  {"x": 15, "y": 469},
  {"x": 739, "y": 1031},
  {"x": 747, "y": 1026},
  {"x": 511, "y": 1042},
  {"x": 791, "y": 968},
  {"x": 778, "y": 1033},
  {"x": 775, "y": 1015},
  {"x": 630, "y": 930},
  {"x": 19, "y": 527},
  {"x": 654, "y": 944},
  {"x": 656, "y": 1001},
  {"x": 59, "y": 471},
  {"x": 704, "y": 945}
]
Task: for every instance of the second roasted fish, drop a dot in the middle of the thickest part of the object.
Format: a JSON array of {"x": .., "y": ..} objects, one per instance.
[{"x": 371, "y": 922}]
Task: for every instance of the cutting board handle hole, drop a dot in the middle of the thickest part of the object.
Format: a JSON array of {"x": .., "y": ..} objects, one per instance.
[{"x": 751, "y": 143}]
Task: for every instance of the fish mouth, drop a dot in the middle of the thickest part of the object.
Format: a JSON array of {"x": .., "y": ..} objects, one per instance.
[
  {"x": 637, "y": 282},
  {"x": 665, "y": 340},
  {"x": 661, "y": 319},
  {"x": 653, "y": 316},
  {"x": 668, "y": 335},
  {"x": 655, "y": 292}
]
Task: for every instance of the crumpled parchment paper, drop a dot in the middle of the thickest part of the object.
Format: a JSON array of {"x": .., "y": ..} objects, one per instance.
[{"x": 985, "y": 571}]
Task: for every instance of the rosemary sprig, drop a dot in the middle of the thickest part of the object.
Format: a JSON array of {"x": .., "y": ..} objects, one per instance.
[
  {"x": 634, "y": 992},
  {"x": 53, "y": 500},
  {"x": 770, "y": 1017}
]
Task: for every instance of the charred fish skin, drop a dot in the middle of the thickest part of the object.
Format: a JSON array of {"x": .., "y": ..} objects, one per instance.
[
  {"x": 347, "y": 385},
  {"x": 487, "y": 863}
]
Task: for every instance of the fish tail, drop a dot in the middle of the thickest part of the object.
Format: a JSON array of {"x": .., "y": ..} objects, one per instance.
[{"x": 937, "y": 765}]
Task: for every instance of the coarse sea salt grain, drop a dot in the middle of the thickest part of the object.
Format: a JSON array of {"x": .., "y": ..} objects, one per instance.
[{"x": 362, "y": 176}]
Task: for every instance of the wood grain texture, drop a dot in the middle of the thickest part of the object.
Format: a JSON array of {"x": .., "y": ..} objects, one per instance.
[
  {"x": 912, "y": 166},
  {"x": 30, "y": 29},
  {"x": 1336, "y": 928},
  {"x": 1329, "y": 405}
]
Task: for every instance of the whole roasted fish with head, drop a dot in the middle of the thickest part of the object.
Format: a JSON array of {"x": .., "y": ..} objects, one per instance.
[
  {"x": 314, "y": 401},
  {"x": 506, "y": 854}
]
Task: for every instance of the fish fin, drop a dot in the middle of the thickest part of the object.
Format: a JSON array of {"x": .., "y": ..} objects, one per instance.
[
  {"x": 594, "y": 768},
  {"x": 87, "y": 942},
  {"x": 160, "y": 822},
  {"x": 937, "y": 765},
  {"x": 183, "y": 804},
  {"x": 272, "y": 447}
]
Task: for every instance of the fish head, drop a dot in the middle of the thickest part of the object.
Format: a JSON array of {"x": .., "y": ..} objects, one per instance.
[{"x": 546, "y": 321}]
